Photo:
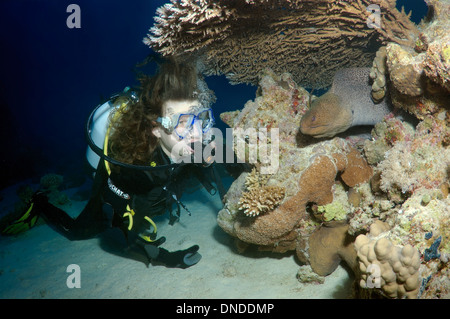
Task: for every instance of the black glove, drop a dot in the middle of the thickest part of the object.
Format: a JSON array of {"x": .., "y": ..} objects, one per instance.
[{"x": 176, "y": 259}]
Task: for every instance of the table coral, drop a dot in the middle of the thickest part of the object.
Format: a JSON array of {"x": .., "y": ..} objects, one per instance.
[{"x": 310, "y": 39}]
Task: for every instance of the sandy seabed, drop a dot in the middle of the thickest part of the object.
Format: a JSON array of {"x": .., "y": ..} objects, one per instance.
[{"x": 34, "y": 264}]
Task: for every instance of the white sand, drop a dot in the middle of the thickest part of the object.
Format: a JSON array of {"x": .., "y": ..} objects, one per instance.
[{"x": 33, "y": 265}]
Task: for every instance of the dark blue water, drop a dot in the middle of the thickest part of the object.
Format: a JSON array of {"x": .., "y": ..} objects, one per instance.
[{"x": 53, "y": 76}]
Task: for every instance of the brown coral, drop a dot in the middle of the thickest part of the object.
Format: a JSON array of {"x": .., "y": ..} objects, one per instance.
[
  {"x": 437, "y": 62},
  {"x": 309, "y": 38},
  {"x": 316, "y": 184},
  {"x": 328, "y": 246}
]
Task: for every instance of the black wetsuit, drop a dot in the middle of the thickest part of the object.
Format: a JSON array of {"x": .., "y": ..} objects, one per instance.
[{"x": 148, "y": 193}]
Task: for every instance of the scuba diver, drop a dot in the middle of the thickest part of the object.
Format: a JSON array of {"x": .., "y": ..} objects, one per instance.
[{"x": 140, "y": 165}]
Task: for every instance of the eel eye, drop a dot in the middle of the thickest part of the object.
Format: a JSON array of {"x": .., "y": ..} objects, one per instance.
[{"x": 313, "y": 118}]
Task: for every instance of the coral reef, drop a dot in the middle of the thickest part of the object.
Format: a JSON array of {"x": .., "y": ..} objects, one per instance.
[
  {"x": 392, "y": 269},
  {"x": 405, "y": 69},
  {"x": 333, "y": 195},
  {"x": 385, "y": 133},
  {"x": 306, "y": 275},
  {"x": 309, "y": 39},
  {"x": 381, "y": 204},
  {"x": 420, "y": 162},
  {"x": 338, "y": 209},
  {"x": 307, "y": 174}
]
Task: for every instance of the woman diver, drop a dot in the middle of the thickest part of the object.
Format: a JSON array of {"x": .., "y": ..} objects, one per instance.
[{"x": 155, "y": 128}]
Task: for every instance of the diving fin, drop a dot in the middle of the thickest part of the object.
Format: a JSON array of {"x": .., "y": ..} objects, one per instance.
[
  {"x": 191, "y": 259},
  {"x": 173, "y": 259},
  {"x": 28, "y": 219}
]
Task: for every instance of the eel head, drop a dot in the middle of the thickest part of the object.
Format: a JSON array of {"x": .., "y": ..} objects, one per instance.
[{"x": 326, "y": 117}]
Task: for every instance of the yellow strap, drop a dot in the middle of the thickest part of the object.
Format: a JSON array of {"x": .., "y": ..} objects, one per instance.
[
  {"x": 151, "y": 223},
  {"x": 105, "y": 150},
  {"x": 105, "y": 143},
  {"x": 148, "y": 238},
  {"x": 130, "y": 220},
  {"x": 130, "y": 213},
  {"x": 25, "y": 216}
]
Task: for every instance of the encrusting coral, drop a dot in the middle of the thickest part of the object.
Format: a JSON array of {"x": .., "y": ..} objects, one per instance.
[
  {"x": 311, "y": 39},
  {"x": 421, "y": 161}
]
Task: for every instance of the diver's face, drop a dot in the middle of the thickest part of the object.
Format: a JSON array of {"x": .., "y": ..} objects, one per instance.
[{"x": 170, "y": 142}]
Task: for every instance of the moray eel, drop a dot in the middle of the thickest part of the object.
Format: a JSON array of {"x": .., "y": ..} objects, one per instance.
[{"x": 348, "y": 103}]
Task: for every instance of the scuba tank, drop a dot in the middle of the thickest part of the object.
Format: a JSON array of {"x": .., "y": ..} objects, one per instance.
[{"x": 100, "y": 120}]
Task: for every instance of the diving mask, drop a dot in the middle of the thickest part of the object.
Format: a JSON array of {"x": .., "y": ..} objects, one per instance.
[{"x": 183, "y": 123}]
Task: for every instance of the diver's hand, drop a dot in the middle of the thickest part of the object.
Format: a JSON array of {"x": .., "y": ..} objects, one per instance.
[{"x": 176, "y": 259}]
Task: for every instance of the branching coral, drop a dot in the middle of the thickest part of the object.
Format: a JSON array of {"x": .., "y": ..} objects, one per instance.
[
  {"x": 259, "y": 198},
  {"x": 309, "y": 38},
  {"x": 258, "y": 201},
  {"x": 255, "y": 180}
]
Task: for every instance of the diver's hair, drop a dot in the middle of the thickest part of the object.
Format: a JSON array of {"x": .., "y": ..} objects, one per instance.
[{"x": 131, "y": 140}]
